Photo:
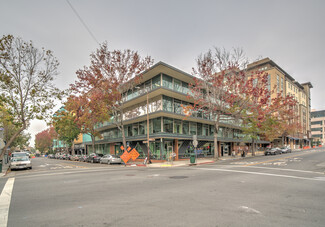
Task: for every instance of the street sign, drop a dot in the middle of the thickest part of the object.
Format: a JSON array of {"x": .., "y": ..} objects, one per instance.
[
  {"x": 134, "y": 154},
  {"x": 125, "y": 156},
  {"x": 195, "y": 142}
]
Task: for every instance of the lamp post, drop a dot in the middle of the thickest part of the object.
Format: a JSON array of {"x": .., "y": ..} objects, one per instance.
[
  {"x": 148, "y": 145},
  {"x": 148, "y": 160}
]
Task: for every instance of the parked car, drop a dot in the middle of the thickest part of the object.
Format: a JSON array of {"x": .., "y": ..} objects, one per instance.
[
  {"x": 83, "y": 158},
  {"x": 74, "y": 158},
  {"x": 272, "y": 151},
  {"x": 51, "y": 156},
  {"x": 20, "y": 162},
  {"x": 285, "y": 150},
  {"x": 94, "y": 158},
  {"x": 19, "y": 154},
  {"x": 110, "y": 159}
]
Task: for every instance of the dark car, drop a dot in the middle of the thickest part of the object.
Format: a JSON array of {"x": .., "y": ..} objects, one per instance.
[
  {"x": 272, "y": 151},
  {"x": 94, "y": 158}
]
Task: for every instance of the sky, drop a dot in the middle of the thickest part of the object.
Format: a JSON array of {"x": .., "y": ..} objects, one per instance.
[{"x": 290, "y": 32}]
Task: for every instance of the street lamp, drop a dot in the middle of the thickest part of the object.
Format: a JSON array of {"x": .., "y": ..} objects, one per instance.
[{"x": 148, "y": 139}]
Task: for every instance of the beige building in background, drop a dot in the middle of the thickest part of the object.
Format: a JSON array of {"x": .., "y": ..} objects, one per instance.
[
  {"x": 283, "y": 83},
  {"x": 318, "y": 126}
]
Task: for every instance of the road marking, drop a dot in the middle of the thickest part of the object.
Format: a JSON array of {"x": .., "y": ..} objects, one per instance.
[
  {"x": 273, "y": 160},
  {"x": 74, "y": 171},
  {"x": 293, "y": 170},
  {"x": 5, "y": 199},
  {"x": 264, "y": 174}
]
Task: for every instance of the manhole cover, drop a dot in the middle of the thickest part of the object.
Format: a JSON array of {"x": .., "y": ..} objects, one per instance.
[{"x": 178, "y": 177}]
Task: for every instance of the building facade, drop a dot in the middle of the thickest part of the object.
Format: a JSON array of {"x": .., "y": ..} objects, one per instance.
[
  {"x": 318, "y": 126},
  {"x": 284, "y": 84},
  {"x": 166, "y": 89}
]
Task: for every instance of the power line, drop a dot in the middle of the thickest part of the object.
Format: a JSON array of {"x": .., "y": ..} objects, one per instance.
[{"x": 83, "y": 23}]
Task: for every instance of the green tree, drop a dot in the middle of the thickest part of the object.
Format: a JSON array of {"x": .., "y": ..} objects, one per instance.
[
  {"x": 65, "y": 126},
  {"x": 26, "y": 76}
]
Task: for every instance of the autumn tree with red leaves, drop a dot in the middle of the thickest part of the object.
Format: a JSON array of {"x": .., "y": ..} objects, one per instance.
[
  {"x": 267, "y": 117},
  {"x": 97, "y": 94},
  {"x": 43, "y": 140},
  {"x": 219, "y": 87},
  {"x": 227, "y": 92}
]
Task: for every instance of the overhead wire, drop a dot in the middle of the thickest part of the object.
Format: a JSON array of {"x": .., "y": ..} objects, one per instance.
[{"x": 81, "y": 20}]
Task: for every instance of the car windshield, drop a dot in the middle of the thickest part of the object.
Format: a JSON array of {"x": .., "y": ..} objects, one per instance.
[
  {"x": 18, "y": 159},
  {"x": 19, "y": 155}
]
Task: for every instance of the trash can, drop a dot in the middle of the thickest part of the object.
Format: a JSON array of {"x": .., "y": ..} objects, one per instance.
[{"x": 192, "y": 158}]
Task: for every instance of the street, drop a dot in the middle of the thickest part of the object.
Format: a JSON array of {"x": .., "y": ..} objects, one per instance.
[{"x": 281, "y": 190}]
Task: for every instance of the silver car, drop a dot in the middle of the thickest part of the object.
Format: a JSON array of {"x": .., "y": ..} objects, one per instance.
[
  {"x": 20, "y": 162},
  {"x": 110, "y": 159}
]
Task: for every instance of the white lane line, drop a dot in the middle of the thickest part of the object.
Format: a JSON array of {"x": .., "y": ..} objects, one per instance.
[
  {"x": 293, "y": 170},
  {"x": 263, "y": 174},
  {"x": 71, "y": 172},
  {"x": 5, "y": 199}
]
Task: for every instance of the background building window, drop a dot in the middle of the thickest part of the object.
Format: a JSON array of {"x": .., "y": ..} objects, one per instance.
[
  {"x": 168, "y": 125},
  {"x": 157, "y": 125},
  {"x": 185, "y": 127},
  {"x": 177, "y": 126},
  {"x": 167, "y": 81}
]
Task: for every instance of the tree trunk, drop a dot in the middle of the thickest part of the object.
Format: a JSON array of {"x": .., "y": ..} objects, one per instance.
[
  {"x": 11, "y": 140},
  {"x": 93, "y": 143},
  {"x": 215, "y": 141},
  {"x": 253, "y": 147},
  {"x": 123, "y": 137}
]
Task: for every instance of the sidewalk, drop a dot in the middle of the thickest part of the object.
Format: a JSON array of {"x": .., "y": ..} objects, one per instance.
[{"x": 199, "y": 161}]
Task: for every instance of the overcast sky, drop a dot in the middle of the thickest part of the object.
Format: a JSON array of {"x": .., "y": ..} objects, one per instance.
[{"x": 291, "y": 33}]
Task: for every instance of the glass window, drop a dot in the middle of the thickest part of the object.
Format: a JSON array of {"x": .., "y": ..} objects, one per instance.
[
  {"x": 205, "y": 130},
  {"x": 177, "y": 126},
  {"x": 192, "y": 128},
  {"x": 211, "y": 130},
  {"x": 168, "y": 125},
  {"x": 167, "y": 81},
  {"x": 129, "y": 130},
  {"x": 221, "y": 132},
  {"x": 156, "y": 82},
  {"x": 157, "y": 125},
  {"x": 185, "y": 87},
  {"x": 177, "y": 85},
  {"x": 167, "y": 104},
  {"x": 185, "y": 127},
  {"x": 142, "y": 126},
  {"x": 199, "y": 129},
  {"x": 147, "y": 86},
  {"x": 177, "y": 106}
]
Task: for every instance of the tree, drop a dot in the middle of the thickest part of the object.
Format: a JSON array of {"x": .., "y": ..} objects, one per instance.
[
  {"x": 268, "y": 117},
  {"x": 43, "y": 140},
  {"x": 26, "y": 75},
  {"x": 218, "y": 88},
  {"x": 66, "y": 127},
  {"x": 100, "y": 86}
]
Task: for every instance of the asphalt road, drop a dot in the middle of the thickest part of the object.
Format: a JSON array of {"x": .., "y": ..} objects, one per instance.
[{"x": 281, "y": 190}]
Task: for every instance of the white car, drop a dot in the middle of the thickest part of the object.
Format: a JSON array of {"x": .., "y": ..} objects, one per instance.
[
  {"x": 110, "y": 159},
  {"x": 20, "y": 162}
]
